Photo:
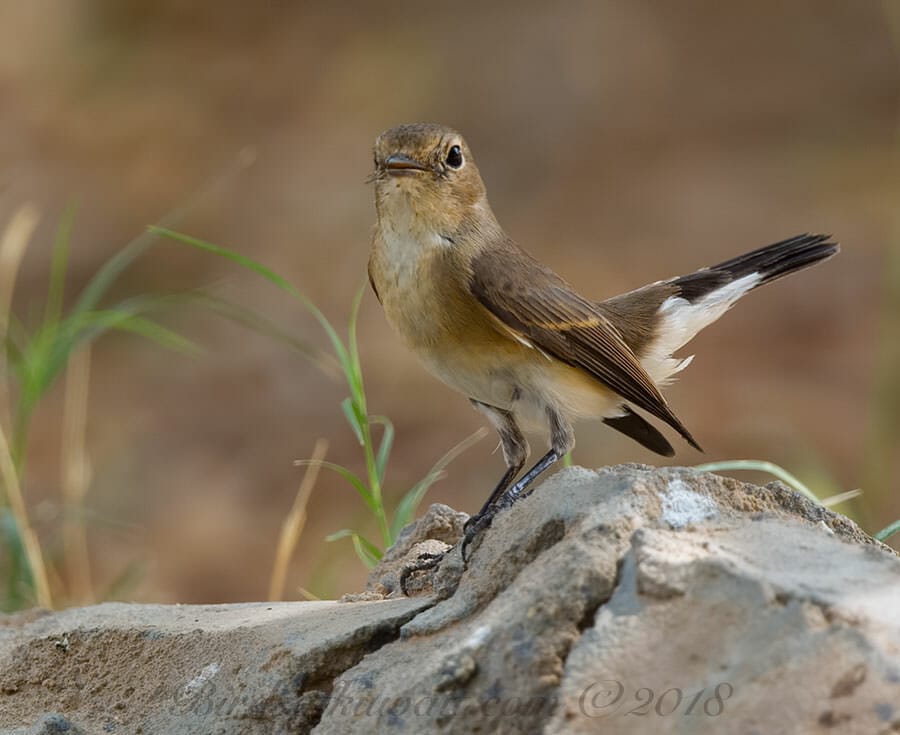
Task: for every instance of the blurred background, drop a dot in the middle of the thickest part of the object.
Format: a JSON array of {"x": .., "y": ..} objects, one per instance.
[{"x": 620, "y": 142}]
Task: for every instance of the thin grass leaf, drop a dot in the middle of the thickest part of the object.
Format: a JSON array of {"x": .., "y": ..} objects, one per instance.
[
  {"x": 58, "y": 266},
  {"x": 14, "y": 241},
  {"x": 759, "y": 465},
  {"x": 365, "y": 549},
  {"x": 34, "y": 374},
  {"x": 15, "y": 565},
  {"x": 37, "y": 569},
  {"x": 406, "y": 508},
  {"x": 87, "y": 326},
  {"x": 110, "y": 272},
  {"x": 115, "y": 266},
  {"x": 261, "y": 325},
  {"x": 408, "y": 504},
  {"x": 17, "y": 335},
  {"x": 839, "y": 498},
  {"x": 384, "y": 447},
  {"x": 157, "y": 333},
  {"x": 354, "y": 376},
  {"x": 350, "y": 415},
  {"x": 51, "y": 346},
  {"x": 349, "y": 476},
  {"x": 261, "y": 270},
  {"x": 885, "y": 533},
  {"x": 337, "y": 535}
]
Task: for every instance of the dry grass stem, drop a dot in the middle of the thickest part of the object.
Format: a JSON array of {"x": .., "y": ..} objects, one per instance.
[
  {"x": 292, "y": 527},
  {"x": 75, "y": 478},
  {"x": 29, "y": 538},
  {"x": 13, "y": 244}
]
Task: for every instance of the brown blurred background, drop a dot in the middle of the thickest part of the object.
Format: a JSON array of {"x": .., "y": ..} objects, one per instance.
[{"x": 620, "y": 142}]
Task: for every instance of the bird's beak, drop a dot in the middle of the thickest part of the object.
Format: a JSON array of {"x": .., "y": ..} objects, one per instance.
[{"x": 400, "y": 165}]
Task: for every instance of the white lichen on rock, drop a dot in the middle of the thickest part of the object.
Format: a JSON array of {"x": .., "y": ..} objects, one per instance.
[{"x": 683, "y": 506}]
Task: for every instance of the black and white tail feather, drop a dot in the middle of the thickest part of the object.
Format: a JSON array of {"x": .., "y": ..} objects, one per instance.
[
  {"x": 700, "y": 299},
  {"x": 705, "y": 295}
]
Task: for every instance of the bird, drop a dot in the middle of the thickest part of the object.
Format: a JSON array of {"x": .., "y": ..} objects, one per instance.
[{"x": 527, "y": 350}]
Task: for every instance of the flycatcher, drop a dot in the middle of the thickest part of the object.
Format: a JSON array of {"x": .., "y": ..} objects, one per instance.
[{"x": 495, "y": 324}]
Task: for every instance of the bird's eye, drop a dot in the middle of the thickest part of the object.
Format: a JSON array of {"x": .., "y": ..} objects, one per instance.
[{"x": 455, "y": 157}]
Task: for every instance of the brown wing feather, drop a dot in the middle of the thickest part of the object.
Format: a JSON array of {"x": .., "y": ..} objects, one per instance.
[
  {"x": 372, "y": 282},
  {"x": 542, "y": 307}
]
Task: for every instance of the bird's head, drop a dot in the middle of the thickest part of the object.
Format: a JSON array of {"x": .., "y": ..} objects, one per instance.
[{"x": 425, "y": 178}]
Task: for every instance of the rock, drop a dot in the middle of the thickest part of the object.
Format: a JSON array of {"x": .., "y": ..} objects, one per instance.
[
  {"x": 431, "y": 536},
  {"x": 54, "y": 724},
  {"x": 629, "y": 600},
  {"x": 247, "y": 668}
]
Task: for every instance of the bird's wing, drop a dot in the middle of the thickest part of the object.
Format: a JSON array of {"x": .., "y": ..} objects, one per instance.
[
  {"x": 535, "y": 303},
  {"x": 374, "y": 287}
]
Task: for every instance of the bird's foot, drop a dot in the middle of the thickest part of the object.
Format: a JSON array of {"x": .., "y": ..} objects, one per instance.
[
  {"x": 473, "y": 529},
  {"x": 422, "y": 564}
]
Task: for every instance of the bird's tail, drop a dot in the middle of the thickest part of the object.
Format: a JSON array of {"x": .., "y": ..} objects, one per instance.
[
  {"x": 705, "y": 295},
  {"x": 758, "y": 266}
]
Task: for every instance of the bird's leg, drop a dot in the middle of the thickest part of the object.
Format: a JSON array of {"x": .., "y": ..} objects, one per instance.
[
  {"x": 562, "y": 440},
  {"x": 515, "y": 452},
  {"x": 515, "y": 449}
]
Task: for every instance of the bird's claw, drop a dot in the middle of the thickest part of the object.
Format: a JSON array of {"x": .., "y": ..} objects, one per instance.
[
  {"x": 423, "y": 563},
  {"x": 474, "y": 526}
]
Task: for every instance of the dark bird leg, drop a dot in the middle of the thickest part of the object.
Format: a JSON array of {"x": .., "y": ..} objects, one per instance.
[
  {"x": 515, "y": 452},
  {"x": 562, "y": 439}
]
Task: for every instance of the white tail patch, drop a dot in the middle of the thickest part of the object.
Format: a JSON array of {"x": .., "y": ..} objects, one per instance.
[{"x": 680, "y": 321}]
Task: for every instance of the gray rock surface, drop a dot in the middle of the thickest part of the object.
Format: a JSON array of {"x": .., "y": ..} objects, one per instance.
[{"x": 629, "y": 600}]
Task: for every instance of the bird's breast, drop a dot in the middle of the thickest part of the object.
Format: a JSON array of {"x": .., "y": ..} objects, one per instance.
[{"x": 424, "y": 290}]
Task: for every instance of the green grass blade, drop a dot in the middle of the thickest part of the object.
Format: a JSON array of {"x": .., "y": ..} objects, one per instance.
[
  {"x": 110, "y": 272},
  {"x": 259, "y": 324},
  {"x": 408, "y": 504},
  {"x": 115, "y": 266},
  {"x": 155, "y": 332},
  {"x": 52, "y": 345},
  {"x": 269, "y": 275},
  {"x": 19, "y": 590},
  {"x": 365, "y": 549},
  {"x": 759, "y": 465},
  {"x": 885, "y": 533},
  {"x": 349, "y": 476},
  {"x": 337, "y": 535},
  {"x": 354, "y": 372},
  {"x": 384, "y": 447},
  {"x": 58, "y": 267},
  {"x": 352, "y": 419}
]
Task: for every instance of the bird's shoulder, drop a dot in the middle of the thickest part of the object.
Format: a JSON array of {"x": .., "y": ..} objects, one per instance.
[{"x": 507, "y": 278}]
